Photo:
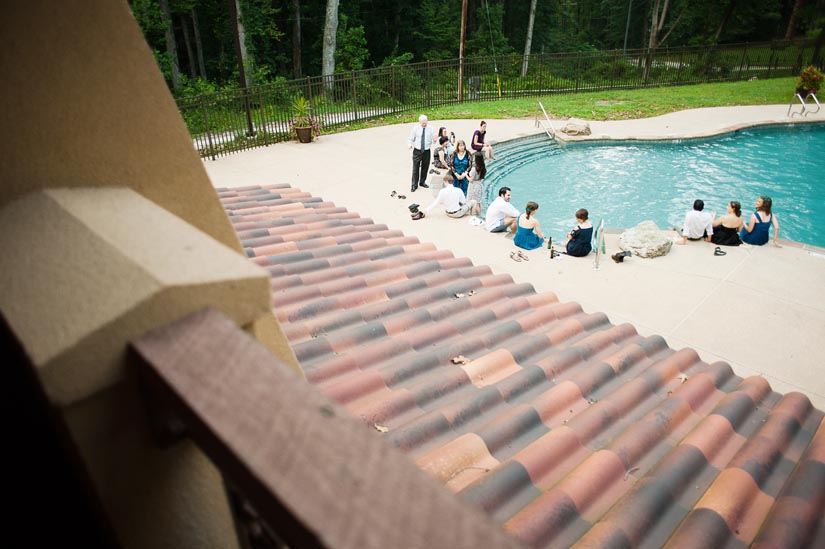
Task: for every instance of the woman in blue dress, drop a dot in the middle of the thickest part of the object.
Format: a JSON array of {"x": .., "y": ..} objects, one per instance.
[
  {"x": 756, "y": 230},
  {"x": 460, "y": 166},
  {"x": 578, "y": 240},
  {"x": 528, "y": 234}
]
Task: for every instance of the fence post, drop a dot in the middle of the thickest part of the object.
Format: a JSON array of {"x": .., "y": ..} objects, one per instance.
[
  {"x": 354, "y": 97},
  {"x": 427, "y": 85},
  {"x": 208, "y": 131},
  {"x": 742, "y": 61},
  {"x": 261, "y": 110}
]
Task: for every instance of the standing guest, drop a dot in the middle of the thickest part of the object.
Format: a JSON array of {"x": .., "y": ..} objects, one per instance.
[
  {"x": 578, "y": 240},
  {"x": 476, "y": 187},
  {"x": 460, "y": 166},
  {"x": 726, "y": 228},
  {"x": 756, "y": 231},
  {"x": 698, "y": 223},
  {"x": 478, "y": 145},
  {"x": 421, "y": 137},
  {"x": 501, "y": 215},
  {"x": 528, "y": 233},
  {"x": 455, "y": 204}
]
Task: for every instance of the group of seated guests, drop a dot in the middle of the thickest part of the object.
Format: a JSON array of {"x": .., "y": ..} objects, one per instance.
[{"x": 730, "y": 229}]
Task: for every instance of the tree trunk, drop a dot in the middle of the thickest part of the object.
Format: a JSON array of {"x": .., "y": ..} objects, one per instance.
[
  {"x": 171, "y": 48},
  {"x": 330, "y": 35},
  {"x": 188, "y": 43},
  {"x": 247, "y": 62},
  {"x": 816, "y": 60},
  {"x": 198, "y": 44},
  {"x": 528, "y": 43},
  {"x": 296, "y": 39},
  {"x": 789, "y": 33},
  {"x": 725, "y": 18},
  {"x": 657, "y": 21}
]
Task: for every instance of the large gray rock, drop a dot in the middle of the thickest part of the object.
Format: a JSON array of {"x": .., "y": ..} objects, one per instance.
[
  {"x": 645, "y": 240},
  {"x": 576, "y": 127}
]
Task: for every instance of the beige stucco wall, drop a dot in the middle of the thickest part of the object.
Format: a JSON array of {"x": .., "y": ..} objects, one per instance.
[{"x": 84, "y": 105}]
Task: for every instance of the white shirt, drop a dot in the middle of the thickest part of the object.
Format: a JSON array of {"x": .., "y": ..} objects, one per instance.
[
  {"x": 696, "y": 223},
  {"x": 415, "y": 137},
  {"x": 497, "y": 211},
  {"x": 451, "y": 197}
]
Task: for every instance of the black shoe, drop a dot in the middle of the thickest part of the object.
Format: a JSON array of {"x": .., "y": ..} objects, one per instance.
[
  {"x": 424, "y": 185},
  {"x": 618, "y": 257},
  {"x": 413, "y": 188}
]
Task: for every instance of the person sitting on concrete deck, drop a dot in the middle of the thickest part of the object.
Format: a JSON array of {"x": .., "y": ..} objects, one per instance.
[
  {"x": 441, "y": 158},
  {"x": 450, "y": 146},
  {"x": 478, "y": 145},
  {"x": 528, "y": 231},
  {"x": 455, "y": 204},
  {"x": 698, "y": 224},
  {"x": 578, "y": 240},
  {"x": 476, "y": 187},
  {"x": 726, "y": 228},
  {"x": 501, "y": 215},
  {"x": 756, "y": 231}
]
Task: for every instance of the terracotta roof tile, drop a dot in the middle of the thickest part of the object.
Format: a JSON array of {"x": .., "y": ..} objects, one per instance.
[{"x": 564, "y": 427}]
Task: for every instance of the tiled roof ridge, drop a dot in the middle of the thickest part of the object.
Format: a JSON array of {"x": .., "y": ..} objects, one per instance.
[{"x": 564, "y": 427}]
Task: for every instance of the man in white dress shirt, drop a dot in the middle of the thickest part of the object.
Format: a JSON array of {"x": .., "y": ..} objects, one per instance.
[
  {"x": 501, "y": 215},
  {"x": 698, "y": 223},
  {"x": 455, "y": 203},
  {"x": 421, "y": 137}
]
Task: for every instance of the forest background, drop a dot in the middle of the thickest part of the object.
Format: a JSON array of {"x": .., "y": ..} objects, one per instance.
[{"x": 197, "y": 43}]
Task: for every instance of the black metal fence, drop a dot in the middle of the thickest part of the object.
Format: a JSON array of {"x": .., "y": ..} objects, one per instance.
[{"x": 232, "y": 121}]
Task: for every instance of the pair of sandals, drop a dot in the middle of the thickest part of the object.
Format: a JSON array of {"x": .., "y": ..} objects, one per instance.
[
  {"x": 519, "y": 256},
  {"x": 395, "y": 194},
  {"x": 719, "y": 251}
]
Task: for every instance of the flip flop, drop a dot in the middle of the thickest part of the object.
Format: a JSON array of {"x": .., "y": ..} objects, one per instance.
[
  {"x": 522, "y": 255},
  {"x": 514, "y": 257},
  {"x": 402, "y": 196},
  {"x": 393, "y": 194},
  {"x": 719, "y": 251}
]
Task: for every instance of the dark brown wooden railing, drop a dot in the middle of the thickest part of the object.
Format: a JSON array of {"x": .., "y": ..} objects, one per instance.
[{"x": 315, "y": 475}]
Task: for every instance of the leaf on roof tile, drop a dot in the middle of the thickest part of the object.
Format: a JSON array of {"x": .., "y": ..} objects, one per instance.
[
  {"x": 682, "y": 378},
  {"x": 460, "y": 359},
  {"x": 381, "y": 428},
  {"x": 459, "y": 295}
]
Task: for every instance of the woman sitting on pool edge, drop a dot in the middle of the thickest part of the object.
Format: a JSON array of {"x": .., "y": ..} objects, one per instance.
[
  {"x": 578, "y": 240},
  {"x": 756, "y": 230},
  {"x": 726, "y": 228},
  {"x": 528, "y": 233}
]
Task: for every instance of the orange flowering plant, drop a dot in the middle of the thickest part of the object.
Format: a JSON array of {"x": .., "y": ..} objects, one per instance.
[{"x": 810, "y": 80}]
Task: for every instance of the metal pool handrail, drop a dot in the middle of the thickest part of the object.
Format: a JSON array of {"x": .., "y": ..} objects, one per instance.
[{"x": 551, "y": 133}]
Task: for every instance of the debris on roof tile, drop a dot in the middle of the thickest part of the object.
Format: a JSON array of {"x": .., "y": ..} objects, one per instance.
[{"x": 565, "y": 428}]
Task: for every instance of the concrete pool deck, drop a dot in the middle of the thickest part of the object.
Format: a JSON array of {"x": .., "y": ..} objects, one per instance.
[{"x": 760, "y": 309}]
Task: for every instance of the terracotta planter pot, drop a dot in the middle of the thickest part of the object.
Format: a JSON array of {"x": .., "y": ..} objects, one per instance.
[{"x": 304, "y": 134}]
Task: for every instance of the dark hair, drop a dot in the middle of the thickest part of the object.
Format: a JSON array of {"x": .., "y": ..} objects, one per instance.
[
  {"x": 737, "y": 208},
  {"x": 443, "y": 139},
  {"x": 504, "y": 190},
  {"x": 698, "y": 205},
  {"x": 582, "y": 214},
  {"x": 483, "y": 123},
  {"x": 767, "y": 203},
  {"x": 481, "y": 169},
  {"x": 530, "y": 208},
  {"x": 442, "y": 129}
]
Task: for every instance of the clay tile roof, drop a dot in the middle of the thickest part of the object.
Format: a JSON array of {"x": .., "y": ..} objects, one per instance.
[{"x": 564, "y": 427}]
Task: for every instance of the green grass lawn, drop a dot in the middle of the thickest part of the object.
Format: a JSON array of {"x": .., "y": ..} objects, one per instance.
[{"x": 613, "y": 105}]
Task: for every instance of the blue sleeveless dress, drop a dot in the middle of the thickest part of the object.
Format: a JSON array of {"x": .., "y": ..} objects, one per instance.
[
  {"x": 759, "y": 235},
  {"x": 461, "y": 165},
  {"x": 526, "y": 238}
]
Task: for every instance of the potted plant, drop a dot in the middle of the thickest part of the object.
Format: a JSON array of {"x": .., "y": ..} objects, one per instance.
[
  {"x": 303, "y": 126},
  {"x": 809, "y": 81}
]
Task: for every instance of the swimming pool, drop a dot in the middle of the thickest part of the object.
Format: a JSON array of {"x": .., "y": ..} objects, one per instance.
[{"x": 628, "y": 182}]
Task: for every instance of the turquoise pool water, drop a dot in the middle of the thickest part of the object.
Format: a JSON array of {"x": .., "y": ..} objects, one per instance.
[{"x": 629, "y": 182}]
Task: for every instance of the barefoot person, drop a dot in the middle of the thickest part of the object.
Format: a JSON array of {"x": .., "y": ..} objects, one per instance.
[
  {"x": 756, "y": 231},
  {"x": 478, "y": 145},
  {"x": 528, "y": 233},
  {"x": 726, "y": 228},
  {"x": 455, "y": 203},
  {"x": 578, "y": 240},
  {"x": 698, "y": 223},
  {"x": 501, "y": 215}
]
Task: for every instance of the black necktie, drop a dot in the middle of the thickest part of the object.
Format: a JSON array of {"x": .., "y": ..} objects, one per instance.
[{"x": 422, "y": 138}]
